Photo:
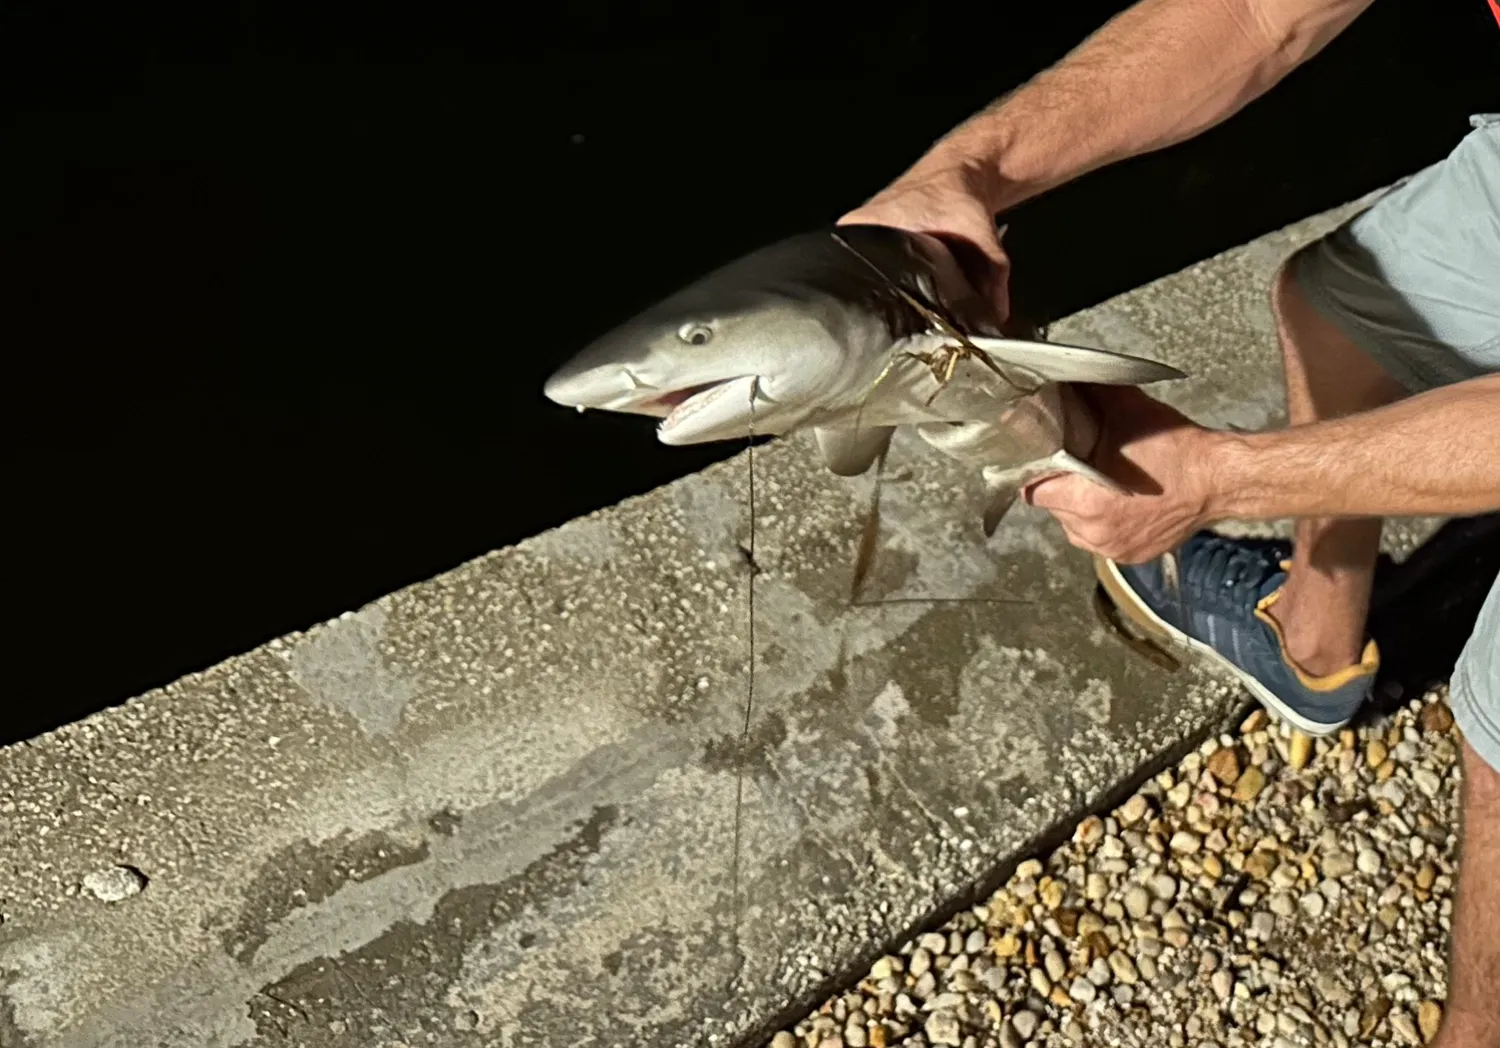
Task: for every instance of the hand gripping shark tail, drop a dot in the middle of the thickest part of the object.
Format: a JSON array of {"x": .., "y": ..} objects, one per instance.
[{"x": 1051, "y": 431}]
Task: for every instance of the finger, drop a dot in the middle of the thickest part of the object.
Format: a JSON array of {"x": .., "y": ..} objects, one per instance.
[{"x": 1059, "y": 492}]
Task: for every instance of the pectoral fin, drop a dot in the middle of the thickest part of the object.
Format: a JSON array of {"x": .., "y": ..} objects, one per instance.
[
  {"x": 1003, "y": 485},
  {"x": 850, "y": 452},
  {"x": 1056, "y": 362}
]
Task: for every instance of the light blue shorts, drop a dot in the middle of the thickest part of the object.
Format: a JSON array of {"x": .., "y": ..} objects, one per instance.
[{"x": 1414, "y": 281}]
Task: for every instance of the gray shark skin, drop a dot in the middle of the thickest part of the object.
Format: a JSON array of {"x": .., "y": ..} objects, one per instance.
[{"x": 853, "y": 331}]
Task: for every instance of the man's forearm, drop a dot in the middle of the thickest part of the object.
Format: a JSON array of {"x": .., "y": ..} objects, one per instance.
[
  {"x": 1435, "y": 454},
  {"x": 1158, "y": 73}
]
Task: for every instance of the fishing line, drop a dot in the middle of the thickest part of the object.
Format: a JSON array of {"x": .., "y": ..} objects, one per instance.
[{"x": 739, "y": 764}]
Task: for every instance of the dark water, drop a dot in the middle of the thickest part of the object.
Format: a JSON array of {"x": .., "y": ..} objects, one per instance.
[{"x": 285, "y": 286}]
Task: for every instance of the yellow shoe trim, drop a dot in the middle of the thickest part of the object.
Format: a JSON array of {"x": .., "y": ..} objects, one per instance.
[{"x": 1369, "y": 660}]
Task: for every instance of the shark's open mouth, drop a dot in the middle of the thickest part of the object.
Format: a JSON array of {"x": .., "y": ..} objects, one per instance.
[
  {"x": 668, "y": 401},
  {"x": 712, "y": 410}
]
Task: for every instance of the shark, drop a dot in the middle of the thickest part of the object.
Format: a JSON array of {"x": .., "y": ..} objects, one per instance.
[{"x": 853, "y": 331}]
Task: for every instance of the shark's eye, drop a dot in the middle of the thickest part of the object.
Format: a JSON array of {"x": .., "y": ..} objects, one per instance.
[{"x": 695, "y": 334}]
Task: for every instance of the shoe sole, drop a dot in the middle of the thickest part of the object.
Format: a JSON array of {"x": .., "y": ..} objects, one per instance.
[{"x": 1143, "y": 618}]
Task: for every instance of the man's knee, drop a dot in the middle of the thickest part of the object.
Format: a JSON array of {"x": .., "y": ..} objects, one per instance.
[{"x": 1327, "y": 373}]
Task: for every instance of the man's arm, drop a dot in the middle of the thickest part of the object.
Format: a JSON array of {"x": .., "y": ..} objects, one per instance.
[
  {"x": 1157, "y": 74},
  {"x": 1437, "y": 453},
  {"x": 1434, "y": 454},
  {"x": 1154, "y": 75}
]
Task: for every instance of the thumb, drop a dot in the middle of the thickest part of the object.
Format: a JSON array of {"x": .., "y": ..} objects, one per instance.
[{"x": 1049, "y": 492}]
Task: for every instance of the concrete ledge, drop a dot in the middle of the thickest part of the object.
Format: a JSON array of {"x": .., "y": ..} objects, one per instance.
[{"x": 499, "y": 807}]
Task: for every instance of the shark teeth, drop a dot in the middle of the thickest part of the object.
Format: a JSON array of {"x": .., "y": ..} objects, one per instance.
[{"x": 718, "y": 411}]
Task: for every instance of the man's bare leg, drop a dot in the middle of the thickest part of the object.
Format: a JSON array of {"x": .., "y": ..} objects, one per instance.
[
  {"x": 1323, "y": 611},
  {"x": 1325, "y": 602},
  {"x": 1473, "y": 1011}
]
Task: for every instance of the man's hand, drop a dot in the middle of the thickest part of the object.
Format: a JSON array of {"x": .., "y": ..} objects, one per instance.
[
  {"x": 1154, "y": 450},
  {"x": 947, "y": 195}
]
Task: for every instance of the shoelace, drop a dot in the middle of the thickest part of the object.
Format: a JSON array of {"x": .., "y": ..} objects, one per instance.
[{"x": 1227, "y": 575}]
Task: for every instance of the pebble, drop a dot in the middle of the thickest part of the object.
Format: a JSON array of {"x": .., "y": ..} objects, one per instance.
[
  {"x": 1368, "y": 862},
  {"x": 1337, "y": 863},
  {"x": 1083, "y": 991},
  {"x": 115, "y": 883},
  {"x": 1372, "y": 1015},
  {"x": 1025, "y": 1022},
  {"x": 943, "y": 1028},
  {"x": 1224, "y": 765},
  {"x": 1164, "y": 886},
  {"x": 783, "y": 1040},
  {"x": 1405, "y": 1028},
  {"x": 1312, "y": 904},
  {"x": 1261, "y": 864},
  {"x": 1090, "y": 831},
  {"x": 1249, "y": 785},
  {"x": 921, "y": 961},
  {"x": 1123, "y": 968},
  {"x": 1137, "y": 901},
  {"x": 1055, "y": 965},
  {"x": 1436, "y": 717},
  {"x": 1301, "y": 751},
  {"x": 1134, "y": 810},
  {"x": 1040, "y": 982},
  {"x": 1185, "y": 843},
  {"x": 1052, "y": 893},
  {"x": 1430, "y": 1013}
]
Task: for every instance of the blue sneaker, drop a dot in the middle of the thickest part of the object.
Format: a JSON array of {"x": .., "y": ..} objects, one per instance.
[{"x": 1210, "y": 596}]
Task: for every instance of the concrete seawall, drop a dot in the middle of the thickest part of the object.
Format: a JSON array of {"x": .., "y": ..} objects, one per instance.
[{"x": 522, "y": 803}]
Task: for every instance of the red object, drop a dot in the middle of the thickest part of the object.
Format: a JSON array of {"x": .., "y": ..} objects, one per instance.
[{"x": 1494, "y": 7}]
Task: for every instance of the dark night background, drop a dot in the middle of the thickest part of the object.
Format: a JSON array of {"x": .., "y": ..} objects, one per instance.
[{"x": 285, "y": 279}]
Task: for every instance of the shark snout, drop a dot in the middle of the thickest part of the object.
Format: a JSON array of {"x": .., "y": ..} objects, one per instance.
[{"x": 607, "y": 386}]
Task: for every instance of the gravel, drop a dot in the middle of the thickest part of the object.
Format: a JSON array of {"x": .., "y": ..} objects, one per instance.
[{"x": 1270, "y": 890}]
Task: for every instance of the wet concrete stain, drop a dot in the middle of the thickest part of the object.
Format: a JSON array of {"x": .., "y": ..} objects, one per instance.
[
  {"x": 10, "y": 1033},
  {"x": 393, "y": 987},
  {"x": 305, "y": 874},
  {"x": 341, "y": 666},
  {"x": 725, "y": 752},
  {"x": 929, "y": 658}
]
